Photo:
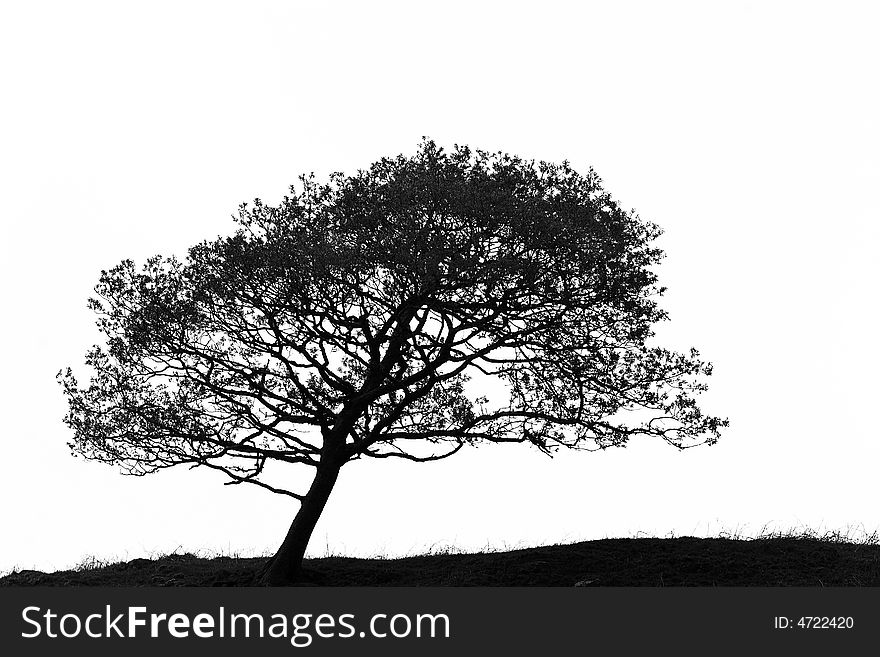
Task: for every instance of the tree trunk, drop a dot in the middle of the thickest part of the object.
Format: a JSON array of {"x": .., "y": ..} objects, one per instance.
[{"x": 285, "y": 566}]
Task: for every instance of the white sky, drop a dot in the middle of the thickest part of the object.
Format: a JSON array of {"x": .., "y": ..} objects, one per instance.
[{"x": 748, "y": 130}]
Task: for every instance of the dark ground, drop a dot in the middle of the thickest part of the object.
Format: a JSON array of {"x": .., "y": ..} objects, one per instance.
[{"x": 779, "y": 561}]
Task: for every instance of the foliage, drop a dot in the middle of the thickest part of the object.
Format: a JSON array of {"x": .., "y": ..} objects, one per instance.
[{"x": 357, "y": 317}]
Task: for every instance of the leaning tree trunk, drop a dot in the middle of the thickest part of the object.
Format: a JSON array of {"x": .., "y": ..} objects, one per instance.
[{"x": 285, "y": 566}]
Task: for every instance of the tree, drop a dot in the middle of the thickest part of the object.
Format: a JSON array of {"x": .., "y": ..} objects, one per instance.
[{"x": 346, "y": 323}]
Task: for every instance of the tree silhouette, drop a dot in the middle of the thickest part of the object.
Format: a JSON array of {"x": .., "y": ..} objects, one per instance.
[{"x": 347, "y": 322}]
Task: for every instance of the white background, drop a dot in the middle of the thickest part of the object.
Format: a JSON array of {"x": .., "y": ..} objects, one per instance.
[{"x": 748, "y": 130}]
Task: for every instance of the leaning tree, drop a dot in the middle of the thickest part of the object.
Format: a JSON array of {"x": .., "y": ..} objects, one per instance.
[{"x": 347, "y": 322}]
